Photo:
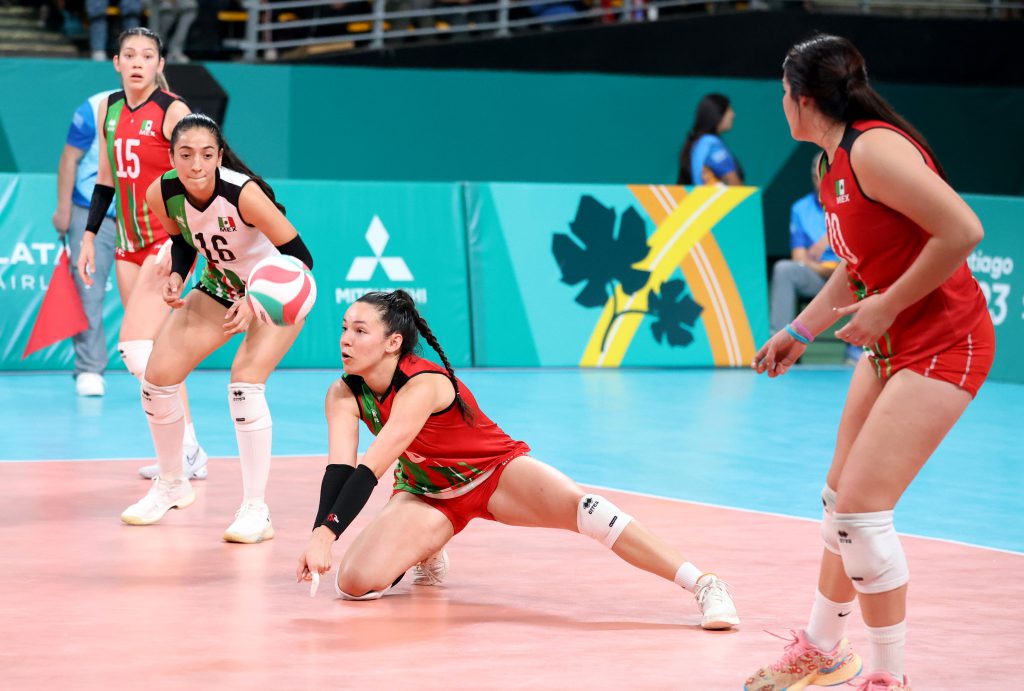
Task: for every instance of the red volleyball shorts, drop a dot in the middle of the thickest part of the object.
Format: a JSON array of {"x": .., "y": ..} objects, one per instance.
[
  {"x": 462, "y": 509},
  {"x": 967, "y": 363},
  {"x": 139, "y": 256}
]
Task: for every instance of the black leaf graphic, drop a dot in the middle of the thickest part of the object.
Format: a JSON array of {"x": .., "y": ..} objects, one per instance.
[
  {"x": 600, "y": 257},
  {"x": 675, "y": 313}
]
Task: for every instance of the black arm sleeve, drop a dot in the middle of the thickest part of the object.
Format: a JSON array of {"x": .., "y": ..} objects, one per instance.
[
  {"x": 297, "y": 248},
  {"x": 351, "y": 500},
  {"x": 102, "y": 195},
  {"x": 183, "y": 256},
  {"x": 335, "y": 477}
]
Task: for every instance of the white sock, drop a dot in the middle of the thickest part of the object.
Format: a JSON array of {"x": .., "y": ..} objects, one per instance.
[
  {"x": 189, "y": 441},
  {"x": 167, "y": 442},
  {"x": 166, "y": 416},
  {"x": 687, "y": 576},
  {"x": 827, "y": 624},
  {"x": 254, "y": 452},
  {"x": 887, "y": 644}
]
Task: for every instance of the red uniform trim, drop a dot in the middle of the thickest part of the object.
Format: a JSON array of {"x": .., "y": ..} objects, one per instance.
[{"x": 139, "y": 256}]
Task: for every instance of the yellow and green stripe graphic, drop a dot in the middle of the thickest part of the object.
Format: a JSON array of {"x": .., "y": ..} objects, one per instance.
[{"x": 682, "y": 239}]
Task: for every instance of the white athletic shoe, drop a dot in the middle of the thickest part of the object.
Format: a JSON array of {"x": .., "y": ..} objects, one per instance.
[
  {"x": 432, "y": 570},
  {"x": 712, "y": 594},
  {"x": 163, "y": 496},
  {"x": 193, "y": 465},
  {"x": 252, "y": 524},
  {"x": 90, "y": 384}
]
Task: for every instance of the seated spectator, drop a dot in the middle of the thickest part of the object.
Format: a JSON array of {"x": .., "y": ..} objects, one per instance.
[
  {"x": 177, "y": 14},
  {"x": 705, "y": 159},
  {"x": 96, "y": 11},
  {"x": 409, "y": 23},
  {"x": 811, "y": 261}
]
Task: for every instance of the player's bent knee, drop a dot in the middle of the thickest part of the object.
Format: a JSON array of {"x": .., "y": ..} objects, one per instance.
[
  {"x": 873, "y": 557},
  {"x": 248, "y": 404},
  {"x": 600, "y": 519},
  {"x": 351, "y": 586},
  {"x": 135, "y": 355},
  {"x": 828, "y": 527},
  {"x": 369, "y": 595},
  {"x": 162, "y": 404}
]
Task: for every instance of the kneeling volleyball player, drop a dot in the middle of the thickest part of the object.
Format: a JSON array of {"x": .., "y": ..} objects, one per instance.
[{"x": 455, "y": 465}]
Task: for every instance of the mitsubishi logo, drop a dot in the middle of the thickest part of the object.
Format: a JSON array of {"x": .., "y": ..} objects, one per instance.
[{"x": 363, "y": 268}]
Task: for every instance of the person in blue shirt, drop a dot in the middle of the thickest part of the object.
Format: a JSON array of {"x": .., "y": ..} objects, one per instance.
[
  {"x": 705, "y": 159},
  {"x": 811, "y": 259},
  {"x": 76, "y": 177}
]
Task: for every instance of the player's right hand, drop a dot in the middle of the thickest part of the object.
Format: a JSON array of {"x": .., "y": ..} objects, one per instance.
[
  {"x": 86, "y": 259},
  {"x": 172, "y": 291},
  {"x": 317, "y": 555}
]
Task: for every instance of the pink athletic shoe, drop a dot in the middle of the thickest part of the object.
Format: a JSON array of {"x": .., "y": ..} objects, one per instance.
[
  {"x": 882, "y": 681},
  {"x": 803, "y": 665}
]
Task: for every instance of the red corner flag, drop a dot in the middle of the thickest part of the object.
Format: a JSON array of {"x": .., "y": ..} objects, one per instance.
[{"x": 61, "y": 315}]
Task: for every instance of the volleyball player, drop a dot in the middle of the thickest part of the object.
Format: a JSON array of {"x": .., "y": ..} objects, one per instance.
[
  {"x": 211, "y": 202},
  {"x": 136, "y": 124},
  {"x": 455, "y": 465},
  {"x": 903, "y": 235}
]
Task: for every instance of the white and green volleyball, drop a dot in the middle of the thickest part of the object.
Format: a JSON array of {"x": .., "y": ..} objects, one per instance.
[{"x": 281, "y": 290}]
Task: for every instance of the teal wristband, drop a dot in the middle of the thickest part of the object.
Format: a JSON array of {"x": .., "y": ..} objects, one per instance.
[
  {"x": 797, "y": 336},
  {"x": 803, "y": 330}
]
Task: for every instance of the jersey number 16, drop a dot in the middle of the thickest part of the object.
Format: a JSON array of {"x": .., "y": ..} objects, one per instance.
[{"x": 217, "y": 244}]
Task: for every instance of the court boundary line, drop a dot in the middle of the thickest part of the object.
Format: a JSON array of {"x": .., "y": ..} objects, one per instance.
[
  {"x": 799, "y": 518},
  {"x": 637, "y": 493}
]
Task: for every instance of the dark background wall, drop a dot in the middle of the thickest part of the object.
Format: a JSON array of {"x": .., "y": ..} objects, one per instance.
[
  {"x": 586, "y": 105},
  {"x": 744, "y": 44},
  {"x": 959, "y": 80}
]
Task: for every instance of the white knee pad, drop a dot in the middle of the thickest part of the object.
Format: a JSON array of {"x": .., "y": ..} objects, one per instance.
[
  {"x": 162, "y": 403},
  {"x": 600, "y": 519},
  {"x": 372, "y": 595},
  {"x": 135, "y": 355},
  {"x": 873, "y": 557},
  {"x": 828, "y": 527},
  {"x": 248, "y": 404}
]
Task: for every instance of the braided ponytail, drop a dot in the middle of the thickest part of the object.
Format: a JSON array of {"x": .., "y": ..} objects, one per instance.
[
  {"x": 421, "y": 326},
  {"x": 399, "y": 314}
]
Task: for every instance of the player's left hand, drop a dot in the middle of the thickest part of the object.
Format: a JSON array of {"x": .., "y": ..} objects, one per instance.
[
  {"x": 872, "y": 317},
  {"x": 778, "y": 354},
  {"x": 238, "y": 317}
]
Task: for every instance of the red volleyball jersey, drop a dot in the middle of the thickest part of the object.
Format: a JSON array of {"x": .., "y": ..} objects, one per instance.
[
  {"x": 879, "y": 244},
  {"x": 138, "y": 153},
  {"x": 449, "y": 452}
]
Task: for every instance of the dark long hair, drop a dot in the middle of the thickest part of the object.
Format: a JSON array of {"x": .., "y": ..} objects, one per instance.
[
  {"x": 141, "y": 31},
  {"x": 399, "y": 314},
  {"x": 231, "y": 159},
  {"x": 830, "y": 70},
  {"x": 710, "y": 111}
]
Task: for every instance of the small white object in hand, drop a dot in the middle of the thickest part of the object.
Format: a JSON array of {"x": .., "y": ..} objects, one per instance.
[
  {"x": 315, "y": 584},
  {"x": 165, "y": 249}
]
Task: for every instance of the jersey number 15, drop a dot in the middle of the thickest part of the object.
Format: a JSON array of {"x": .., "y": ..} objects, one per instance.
[{"x": 128, "y": 163}]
